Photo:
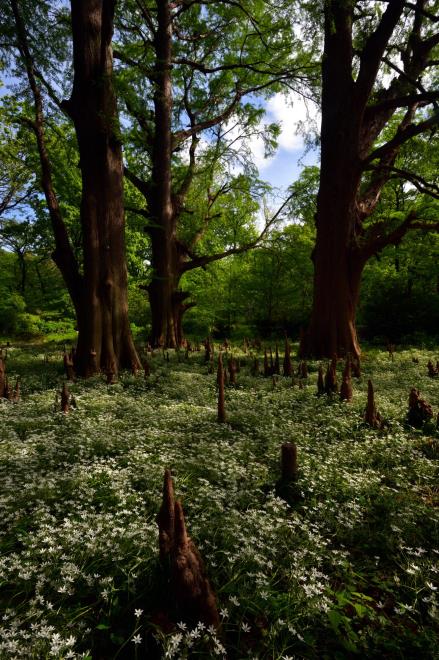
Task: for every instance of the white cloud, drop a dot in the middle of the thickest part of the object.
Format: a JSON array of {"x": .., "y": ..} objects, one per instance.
[
  {"x": 287, "y": 110},
  {"x": 290, "y": 111}
]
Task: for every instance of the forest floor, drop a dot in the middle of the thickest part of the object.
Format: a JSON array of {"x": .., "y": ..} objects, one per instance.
[{"x": 348, "y": 569}]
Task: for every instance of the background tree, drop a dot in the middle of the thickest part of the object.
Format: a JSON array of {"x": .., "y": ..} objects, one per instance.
[
  {"x": 187, "y": 69},
  {"x": 361, "y": 44}
]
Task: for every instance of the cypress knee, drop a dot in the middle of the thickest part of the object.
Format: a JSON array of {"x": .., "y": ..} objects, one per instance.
[
  {"x": 432, "y": 370},
  {"x": 286, "y": 487},
  {"x": 346, "y": 386},
  {"x": 331, "y": 377},
  {"x": 220, "y": 381},
  {"x": 371, "y": 416},
  {"x": 419, "y": 410},
  {"x": 289, "y": 461},
  {"x": 65, "y": 399},
  {"x": 191, "y": 591}
]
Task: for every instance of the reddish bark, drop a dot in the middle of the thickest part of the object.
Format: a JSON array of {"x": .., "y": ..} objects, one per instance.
[
  {"x": 68, "y": 367},
  {"x": 419, "y": 410},
  {"x": 331, "y": 386},
  {"x": 232, "y": 371},
  {"x": 192, "y": 594},
  {"x": 346, "y": 385},
  {"x": 371, "y": 416},
  {"x": 99, "y": 294},
  {"x": 65, "y": 399},
  {"x": 104, "y": 325},
  {"x": 289, "y": 461},
  {"x": 353, "y": 117}
]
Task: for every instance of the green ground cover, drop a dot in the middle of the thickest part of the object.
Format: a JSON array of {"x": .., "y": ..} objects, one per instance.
[{"x": 348, "y": 570}]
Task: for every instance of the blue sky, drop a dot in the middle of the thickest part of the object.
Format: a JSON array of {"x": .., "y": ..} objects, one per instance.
[{"x": 285, "y": 165}]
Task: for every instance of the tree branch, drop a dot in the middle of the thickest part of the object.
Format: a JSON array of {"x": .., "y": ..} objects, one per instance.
[
  {"x": 202, "y": 261},
  {"x": 403, "y": 136},
  {"x": 421, "y": 184},
  {"x": 374, "y": 48},
  {"x": 376, "y": 240},
  {"x": 142, "y": 186},
  {"x": 63, "y": 254},
  {"x": 401, "y": 102}
]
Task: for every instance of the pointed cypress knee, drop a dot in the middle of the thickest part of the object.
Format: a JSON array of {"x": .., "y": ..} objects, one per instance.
[
  {"x": 289, "y": 461},
  {"x": 346, "y": 385},
  {"x": 303, "y": 369},
  {"x": 371, "y": 416},
  {"x": 68, "y": 367},
  {"x": 166, "y": 517},
  {"x": 432, "y": 370},
  {"x": 286, "y": 487},
  {"x": 7, "y": 394},
  {"x": 146, "y": 369},
  {"x": 65, "y": 399},
  {"x": 419, "y": 410},
  {"x": 331, "y": 386},
  {"x": 192, "y": 595},
  {"x": 221, "y": 400}
]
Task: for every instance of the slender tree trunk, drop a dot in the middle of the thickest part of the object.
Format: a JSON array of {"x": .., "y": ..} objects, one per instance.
[
  {"x": 162, "y": 225},
  {"x": 104, "y": 339}
]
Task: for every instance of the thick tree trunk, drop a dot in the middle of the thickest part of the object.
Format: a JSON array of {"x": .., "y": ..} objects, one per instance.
[
  {"x": 336, "y": 290},
  {"x": 104, "y": 339},
  {"x": 337, "y": 268}
]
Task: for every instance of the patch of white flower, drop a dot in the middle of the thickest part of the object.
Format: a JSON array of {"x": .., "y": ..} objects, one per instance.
[{"x": 79, "y": 495}]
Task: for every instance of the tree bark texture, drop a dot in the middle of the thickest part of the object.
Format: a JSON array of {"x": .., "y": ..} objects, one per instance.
[
  {"x": 350, "y": 125},
  {"x": 162, "y": 227},
  {"x": 103, "y": 325}
]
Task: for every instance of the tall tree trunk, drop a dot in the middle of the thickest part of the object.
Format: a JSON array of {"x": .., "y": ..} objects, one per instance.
[
  {"x": 336, "y": 269},
  {"x": 353, "y": 117},
  {"x": 162, "y": 224},
  {"x": 104, "y": 339}
]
